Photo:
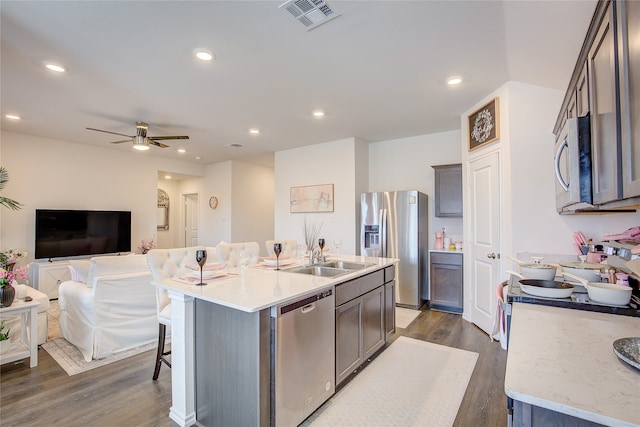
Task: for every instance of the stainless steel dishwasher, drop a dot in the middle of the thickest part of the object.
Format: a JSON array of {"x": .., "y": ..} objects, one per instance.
[{"x": 302, "y": 357}]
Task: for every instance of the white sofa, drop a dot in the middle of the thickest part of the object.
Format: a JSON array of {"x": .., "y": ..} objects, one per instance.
[{"x": 109, "y": 305}]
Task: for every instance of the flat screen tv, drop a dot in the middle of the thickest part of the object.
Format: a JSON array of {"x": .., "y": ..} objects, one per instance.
[{"x": 70, "y": 233}]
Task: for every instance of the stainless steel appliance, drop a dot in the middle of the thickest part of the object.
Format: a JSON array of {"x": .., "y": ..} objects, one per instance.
[
  {"x": 393, "y": 224},
  {"x": 303, "y": 357},
  {"x": 573, "y": 166}
]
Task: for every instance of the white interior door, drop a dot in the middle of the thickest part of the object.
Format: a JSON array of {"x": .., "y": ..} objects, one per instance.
[
  {"x": 191, "y": 220},
  {"x": 484, "y": 251}
]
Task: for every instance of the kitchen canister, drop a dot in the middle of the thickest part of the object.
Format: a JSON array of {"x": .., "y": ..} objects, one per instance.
[{"x": 439, "y": 240}]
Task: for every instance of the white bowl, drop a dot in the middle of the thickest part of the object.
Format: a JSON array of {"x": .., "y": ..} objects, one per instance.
[{"x": 538, "y": 271}]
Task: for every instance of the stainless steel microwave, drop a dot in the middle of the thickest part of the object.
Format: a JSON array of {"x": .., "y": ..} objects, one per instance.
[{"x": 573, "y": 166}]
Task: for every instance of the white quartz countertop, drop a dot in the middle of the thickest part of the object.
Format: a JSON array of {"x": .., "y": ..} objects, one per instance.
[
  {"x": 257, "y": 287},
  {"x": 447, "y": 251},
  {"x": 563, "y": 360}
]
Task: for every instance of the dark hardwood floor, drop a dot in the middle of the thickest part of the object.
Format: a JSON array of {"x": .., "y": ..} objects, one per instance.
[{"x": 123, "y": 394}]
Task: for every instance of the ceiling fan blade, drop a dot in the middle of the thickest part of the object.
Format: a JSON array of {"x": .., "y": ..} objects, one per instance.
[
  {"x": 106, "y": 131},
  {"x": 120, "y": 142},
  {"x": 163, "y": 138},
  {"x": 157, "y": 144}
]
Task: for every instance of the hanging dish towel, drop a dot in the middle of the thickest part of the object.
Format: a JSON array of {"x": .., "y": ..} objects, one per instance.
[{"x": 499, "y": 330}]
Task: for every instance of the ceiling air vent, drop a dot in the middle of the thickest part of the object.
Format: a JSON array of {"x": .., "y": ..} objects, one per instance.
[
  {"x": 310, "y": 13},
  {"x": 234, "y": 145}
]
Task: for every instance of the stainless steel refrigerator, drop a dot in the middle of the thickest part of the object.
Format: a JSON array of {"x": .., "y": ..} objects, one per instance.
[{"x": 393, "y": 224}]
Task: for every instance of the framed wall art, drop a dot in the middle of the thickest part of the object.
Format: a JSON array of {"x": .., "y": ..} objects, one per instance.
[
  {"x": 311, "y": 198},
  {"x": 484, "y": 124}
]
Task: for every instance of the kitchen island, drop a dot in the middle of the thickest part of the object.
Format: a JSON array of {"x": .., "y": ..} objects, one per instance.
[
  {"x": 562, "y": 370},
  {"x": 222, "y": 338}
]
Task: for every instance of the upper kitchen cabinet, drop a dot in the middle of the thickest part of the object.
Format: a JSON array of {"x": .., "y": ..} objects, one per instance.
[
  {"x": 628, "y": 27},
  {"x": 448, "y": 191},
  {"x": 605, "y": 150},
  {"x": 605, "y": 86}
]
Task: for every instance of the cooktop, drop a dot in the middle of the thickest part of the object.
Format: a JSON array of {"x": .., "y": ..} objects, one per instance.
[{"x": 578, "y": 300}]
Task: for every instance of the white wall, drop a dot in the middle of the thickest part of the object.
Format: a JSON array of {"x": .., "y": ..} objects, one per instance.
[
  {"x": 252, "y": 197},
  {"x": 328, "y": 163},
  {"x": 53, "y": 174},
  {"x": 405, "y": 164}
]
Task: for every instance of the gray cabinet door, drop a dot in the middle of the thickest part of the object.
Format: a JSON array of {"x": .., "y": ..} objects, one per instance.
[
  {"x": 448, "y": 190},
  {"x": 629, "y": 59},
  {"x": 390, "y": 308},
  {"x": 446, "y": 282},
  {"x": 373, "y": 330},
  {"x": 349, "y": 351},
  {"x": 603, "y": 106}
]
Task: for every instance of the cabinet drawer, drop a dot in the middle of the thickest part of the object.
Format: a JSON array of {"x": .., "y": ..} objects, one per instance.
[
  {"x": 389, "y": 273},
  {"x": 443, "y": 258},
  {"x": 356, "y": 287}
]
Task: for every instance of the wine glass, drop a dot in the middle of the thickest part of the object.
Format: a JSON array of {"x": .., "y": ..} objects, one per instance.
[
  {"x": 321, "y": 244},
  {"x": 201, "y": 259},
  {"x": 337, "y": 243},
  {"x": 277, "y": 249}
]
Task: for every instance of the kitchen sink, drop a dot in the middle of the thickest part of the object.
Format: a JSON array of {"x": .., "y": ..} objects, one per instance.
[
  {"x": 319, "y": 270},
  {"x": 346, "y": 265}
]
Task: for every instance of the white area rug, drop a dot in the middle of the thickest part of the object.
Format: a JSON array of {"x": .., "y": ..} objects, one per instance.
[
  {"x": 412, "y": 383},
  {"x": 71, "y": 360},
  {"x": 404, "y": 316}
]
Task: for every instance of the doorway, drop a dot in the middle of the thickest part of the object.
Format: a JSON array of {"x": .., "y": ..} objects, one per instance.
[
  {"x": 484, "y": 235},
  {"x": 191, "y": 219}
]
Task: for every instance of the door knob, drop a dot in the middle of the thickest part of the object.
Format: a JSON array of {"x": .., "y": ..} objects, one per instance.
[{"x": 491, "y": 255}]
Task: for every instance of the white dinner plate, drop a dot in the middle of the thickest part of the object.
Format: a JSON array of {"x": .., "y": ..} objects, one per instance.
[
  {"x": 272, "y": 262},
  {"x": 206, "y": 274}
]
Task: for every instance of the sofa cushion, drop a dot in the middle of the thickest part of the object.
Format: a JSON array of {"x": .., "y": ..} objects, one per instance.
[
  {"x": 79, "y": 269},
  {"x": 115, "y": 265}
]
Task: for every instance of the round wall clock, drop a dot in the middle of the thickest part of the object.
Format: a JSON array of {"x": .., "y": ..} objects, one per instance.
[{"x": 213, "y": 202}]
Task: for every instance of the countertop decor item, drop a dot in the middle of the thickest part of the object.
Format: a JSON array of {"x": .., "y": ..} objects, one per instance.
[
  {"x": 484, "y": 124},
  {"x": 628, "y": 350}
]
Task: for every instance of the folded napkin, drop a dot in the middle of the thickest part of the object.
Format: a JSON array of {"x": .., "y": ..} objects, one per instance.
[
  {"x": 207, "y": 267},
  {"x": 193, "y": 280}
]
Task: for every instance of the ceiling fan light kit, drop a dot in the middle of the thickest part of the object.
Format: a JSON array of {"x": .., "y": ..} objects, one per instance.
[{"x": 140, "y": 143}]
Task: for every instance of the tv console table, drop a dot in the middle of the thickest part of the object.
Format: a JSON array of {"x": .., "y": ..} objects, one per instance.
[{"x": 48, "y": 275}]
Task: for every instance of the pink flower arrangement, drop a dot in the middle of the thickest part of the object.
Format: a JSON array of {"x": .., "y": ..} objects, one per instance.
[
  {"x": 146, "y": 245},
  {"x": 8, "y": 276},
  {"x": 8, "y": 271}
]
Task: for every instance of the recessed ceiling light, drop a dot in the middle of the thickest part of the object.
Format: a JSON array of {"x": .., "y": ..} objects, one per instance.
[
  {"x": 181, "y": 150},
  {"x": 12, "y": 116},
  {"x": 318, "y": 113},
  {"x": 55, "y": 67},
  {"x": 204, "y": 54},
  {"x": 452, "y": 81},
  {"x": 167, "y": 177},
  {"x": 254, "y": 131},
  {"x": 198, "y": 157}
]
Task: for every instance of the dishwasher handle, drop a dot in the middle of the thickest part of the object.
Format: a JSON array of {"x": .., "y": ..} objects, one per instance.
[
  {"x": 306, "y": 304},
  {"x": 308, "y": 308}
]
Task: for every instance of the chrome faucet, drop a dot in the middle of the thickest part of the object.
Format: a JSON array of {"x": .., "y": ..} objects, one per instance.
[{"x": 316, "y": 256}]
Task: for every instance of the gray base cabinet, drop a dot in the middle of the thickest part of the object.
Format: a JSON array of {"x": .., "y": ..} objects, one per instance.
[
  {"x": 446, "y": 282},
  {"x": 365, "y": 317}
]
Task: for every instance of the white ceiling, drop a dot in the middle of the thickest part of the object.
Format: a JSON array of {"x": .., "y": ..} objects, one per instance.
[{"x": 378, "y": 70}]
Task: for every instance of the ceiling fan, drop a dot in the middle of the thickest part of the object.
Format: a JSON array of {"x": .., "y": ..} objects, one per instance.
[{"x": 140, "y": 140}]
